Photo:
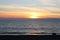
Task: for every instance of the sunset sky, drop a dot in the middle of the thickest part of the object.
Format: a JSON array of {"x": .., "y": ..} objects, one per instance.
[{"x": 29, "y": 8}]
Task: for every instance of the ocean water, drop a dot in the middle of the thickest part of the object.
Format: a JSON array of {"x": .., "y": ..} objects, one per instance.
[{"x": 29, "y": 26}]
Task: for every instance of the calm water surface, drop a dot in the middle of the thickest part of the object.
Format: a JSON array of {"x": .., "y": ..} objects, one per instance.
[{"x": 29, "y": 26}]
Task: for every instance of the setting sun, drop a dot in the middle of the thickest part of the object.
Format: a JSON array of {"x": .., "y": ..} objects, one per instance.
[{"x": 34, "y": 15}]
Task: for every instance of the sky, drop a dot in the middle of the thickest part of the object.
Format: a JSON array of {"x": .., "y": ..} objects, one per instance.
[{"x": 29, "y": 8}]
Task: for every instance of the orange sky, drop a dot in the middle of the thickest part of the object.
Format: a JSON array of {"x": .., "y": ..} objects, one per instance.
[
  {"x": 13, "y": 15},
  {"x": 28, "y": 15},
  {"x": 30, "y": 9},
  {"x": 13, "y": 11}
]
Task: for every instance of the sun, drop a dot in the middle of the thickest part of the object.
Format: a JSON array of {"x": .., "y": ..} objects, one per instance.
[{"x": 34, "y": 15}]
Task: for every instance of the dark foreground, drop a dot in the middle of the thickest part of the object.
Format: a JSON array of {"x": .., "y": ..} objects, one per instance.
[{"x": 30, "y": 37}]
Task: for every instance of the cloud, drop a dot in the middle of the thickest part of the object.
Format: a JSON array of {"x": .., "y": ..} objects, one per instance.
[
  {"x": 16, "y": 7},
  {"x": 48, "y": 7},
  {"x": 53, "y": 9},
  {"x": 52, "y": 6},
  {"x": 48, "y": 2},
  {"x": 19, "y": 8},
  {"x": 17, "y": 11}
]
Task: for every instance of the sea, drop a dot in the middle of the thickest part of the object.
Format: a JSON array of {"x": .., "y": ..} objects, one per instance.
[{"x": 26, "y": 26}]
